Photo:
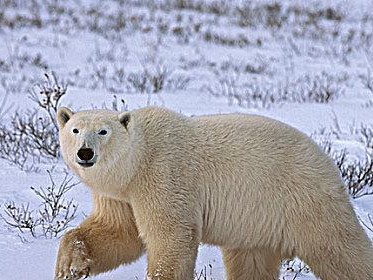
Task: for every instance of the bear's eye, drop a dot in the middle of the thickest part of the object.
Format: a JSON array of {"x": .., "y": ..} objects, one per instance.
[
  {"x": 75, "y": 131},
  {"x": 103, "y": 132}
]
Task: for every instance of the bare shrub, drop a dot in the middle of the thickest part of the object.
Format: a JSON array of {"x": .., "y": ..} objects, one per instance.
[
  {"x": 319, "y": 88},
  {"x": 16, "y": 70},
  {"x": 117, "y": 104},
  {"x": 216, "y": 7},
  {"x": 226, "y": 40},
  {"x": 21, "y": 218},
  {"x": 365, "y": 133},
  {"x": 39, "y": 133},
  {"x": 157, "y": 77},
  {"x": 249, "y": 95},
  {"x": 32, "y": 136},
  {"x": 56, "y": 212},
  {"x": 356, "y": 174},
  {"x": 362, "y": 133},
  {"x": 149, "y": 79},
  {"x": 358, "y": 177},
  {"x": 14, "y": 147},
  {"x": 15, "y": 83},
  {"x": 4, "y": 108},
  {"x": 32, "y": 19},
  {"x": 54, "y": 215},
  {"x": 204, "y": 274},
  {"x": 369, "y": 224},
  {"x": 178, "y": 82},
  {"x": 138, "y": 81},
  {"x": 258, "y": 65},
  {"x": 276, "y": 15},
  {"x": 18, "y": 60},
  {"x": 48, "y": 95},
  {"x": 154, "y": 76},
  {"x": 367, "y": 81},
  {"x": 294, "y": 269},
  {"x": 254, "y": 14}
]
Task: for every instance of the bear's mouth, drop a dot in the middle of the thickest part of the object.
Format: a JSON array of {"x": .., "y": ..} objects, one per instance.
[{"x": 86, "y": 163}]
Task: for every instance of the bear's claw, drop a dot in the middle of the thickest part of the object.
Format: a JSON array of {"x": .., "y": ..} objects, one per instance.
[
  {"x": 73, "y": 258},
  {"x": 74, "y": 274}
]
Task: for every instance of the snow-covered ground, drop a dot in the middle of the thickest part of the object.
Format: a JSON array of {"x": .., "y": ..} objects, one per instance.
[{"x": 306, "y": 63}]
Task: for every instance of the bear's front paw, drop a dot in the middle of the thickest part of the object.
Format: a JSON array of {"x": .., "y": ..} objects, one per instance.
[{"x": 73, "y": 260}]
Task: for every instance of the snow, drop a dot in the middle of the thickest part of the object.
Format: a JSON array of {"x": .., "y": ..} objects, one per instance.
[{"x": 88, "y": 55}]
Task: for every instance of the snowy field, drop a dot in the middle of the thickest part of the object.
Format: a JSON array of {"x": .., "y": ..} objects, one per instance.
[{"x": 306, "y": 63}]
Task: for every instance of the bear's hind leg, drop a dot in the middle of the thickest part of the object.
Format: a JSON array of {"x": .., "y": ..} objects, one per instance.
[
  {"x": 335, "y": 246},
  {"x": 337, "y": 261},
  {"x": 255, "y": 264}
]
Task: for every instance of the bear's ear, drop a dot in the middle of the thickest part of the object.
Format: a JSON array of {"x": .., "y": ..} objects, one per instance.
[
  {"x": 63, "y": 116},
  {"x": 124, "y": 119}
]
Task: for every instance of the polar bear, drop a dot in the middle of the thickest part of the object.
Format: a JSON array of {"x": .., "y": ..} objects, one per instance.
[{"x": 163, "y": 183}]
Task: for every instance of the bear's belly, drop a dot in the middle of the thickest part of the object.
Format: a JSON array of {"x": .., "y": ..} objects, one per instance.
[{"x": 250, "y": 221}]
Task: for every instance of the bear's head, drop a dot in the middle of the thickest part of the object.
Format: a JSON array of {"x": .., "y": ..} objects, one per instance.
[{"x": 93, "y": 141}]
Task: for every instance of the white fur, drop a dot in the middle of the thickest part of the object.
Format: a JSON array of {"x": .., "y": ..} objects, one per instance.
[{"x": 258, "y": 188}]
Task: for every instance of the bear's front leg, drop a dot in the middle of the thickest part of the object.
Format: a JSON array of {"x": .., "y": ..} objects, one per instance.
[
  {"x": 74, "y": 258},
  {"x": 171, "y": 231},
  {"x": 107, "y": 239},
  {"x": 172, "y": 256}
]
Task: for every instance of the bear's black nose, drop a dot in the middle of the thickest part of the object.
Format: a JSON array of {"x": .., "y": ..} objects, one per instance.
[{"x": 85, "y": 154}]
